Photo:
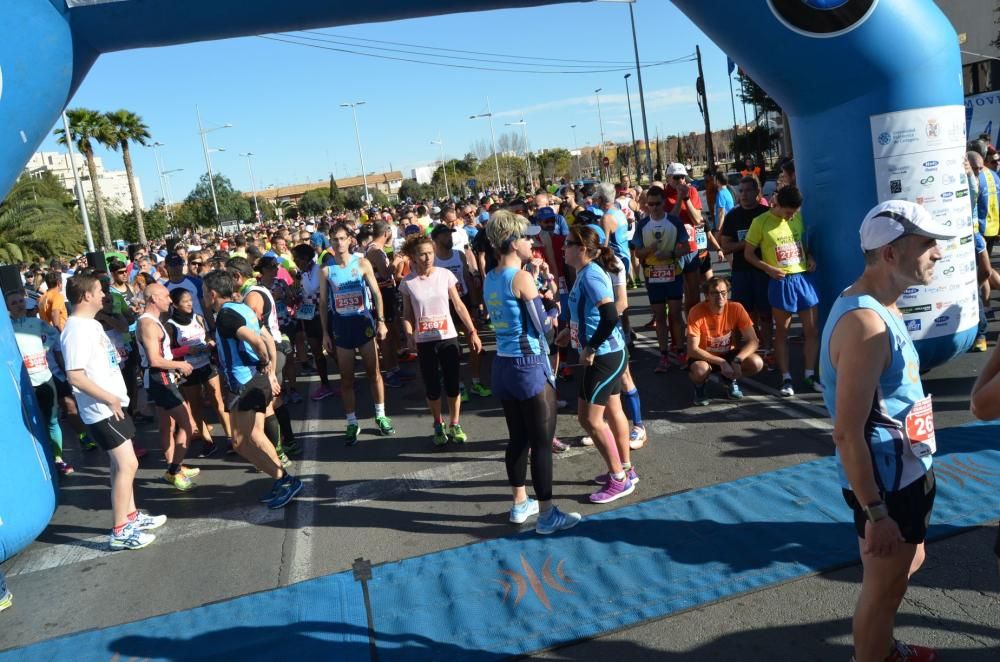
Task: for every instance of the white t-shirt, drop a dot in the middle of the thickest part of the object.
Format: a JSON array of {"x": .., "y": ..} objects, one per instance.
[
  {"x": 86, "y": 347},
  {"x": 429, "y": 299}
]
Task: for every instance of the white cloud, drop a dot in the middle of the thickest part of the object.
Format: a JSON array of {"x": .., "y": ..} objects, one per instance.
[{"x": 655, "y": 99}]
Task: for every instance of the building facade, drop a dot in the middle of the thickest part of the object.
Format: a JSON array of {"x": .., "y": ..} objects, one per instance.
[
  {"x": 113, "y": 183},
  {"x": 975, "y": 24}
]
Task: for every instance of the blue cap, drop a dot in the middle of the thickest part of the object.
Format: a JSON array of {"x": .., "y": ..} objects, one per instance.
[
  {"x": 544, "y": 213},
  {"x": 318, "y": 239},
  {"x": 599, "y": 230},
  {"x": 270, "y": 254}
]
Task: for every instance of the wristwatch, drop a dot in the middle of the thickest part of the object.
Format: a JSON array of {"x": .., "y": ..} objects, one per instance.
[{"x": 876, "y": 511}]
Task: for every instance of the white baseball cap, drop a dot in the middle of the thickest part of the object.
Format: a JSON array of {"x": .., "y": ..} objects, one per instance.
[
  {"x": 676, "y": 169},
  {"x": 888, "y": 221}
]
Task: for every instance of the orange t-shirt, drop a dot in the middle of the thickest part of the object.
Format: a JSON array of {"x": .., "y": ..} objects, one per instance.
[
  {"x": 715, "y": 332},
  {"x": 52, "y": 308}
]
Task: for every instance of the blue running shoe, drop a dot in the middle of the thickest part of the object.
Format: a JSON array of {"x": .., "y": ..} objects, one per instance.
[
  {"x": 288, "y": 491},
  {"x": 555, "y": 520},
  {"x": 268, "y": 496},
  {"x": 520, "y": 512},
  {"x": 6, "y": 597}
]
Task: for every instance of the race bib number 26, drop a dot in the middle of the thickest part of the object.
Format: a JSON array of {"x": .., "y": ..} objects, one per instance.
[{"x": 920, "y": 428}]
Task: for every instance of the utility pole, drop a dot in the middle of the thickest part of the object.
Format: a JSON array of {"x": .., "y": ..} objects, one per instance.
[
  {"x": 600, "y": 121},
  {"x": 703, "y": 104},
  {"x": 80, "y": 198},
  {"x": 635, "y": 149}
]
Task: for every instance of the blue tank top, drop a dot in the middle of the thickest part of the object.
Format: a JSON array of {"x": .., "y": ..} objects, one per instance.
[
  {"x": 348, "y": 290},
  {"x": 592, "y": 285},
  {"x": 239, "y": 360},
  {"x": 516, "y": 335},
  {"x": 899, "y": 388},
  {"x": 618, "y": 241}
]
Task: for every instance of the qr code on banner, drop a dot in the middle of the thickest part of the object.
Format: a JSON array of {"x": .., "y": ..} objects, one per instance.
[{"x": 895, "y": 186}]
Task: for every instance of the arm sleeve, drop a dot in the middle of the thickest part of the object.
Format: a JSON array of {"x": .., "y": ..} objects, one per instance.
[
  {"x": 228, "y": 322},
  {"x": 539, "y": 318},
  {"x": 609, "y": 319}
]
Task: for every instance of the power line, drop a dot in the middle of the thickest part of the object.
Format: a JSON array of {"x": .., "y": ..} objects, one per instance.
[
  {"x": 456, "y": 50},
  {"x": 686, "y": 58}
]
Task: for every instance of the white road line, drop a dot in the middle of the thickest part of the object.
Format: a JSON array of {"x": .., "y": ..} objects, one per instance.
[
  {"x": 89, "y": 549},
  {"x": 301, "y": 514}
]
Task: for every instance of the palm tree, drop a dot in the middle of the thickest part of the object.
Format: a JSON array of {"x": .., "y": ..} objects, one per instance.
[
  {"x": 126, "y": 127},
  {"x": 85, "y": 126},
  {"x": 38, "y": 218}
]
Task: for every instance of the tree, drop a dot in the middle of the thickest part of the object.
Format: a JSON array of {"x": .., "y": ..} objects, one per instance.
[
  {"x": 126, "y": 127},
  {"x": 38, "y": 219},
  {"x": 314, "y": 202},
  {"x": 336, "y": 195},
  {"x": 86, "y": 127},
  {"x": 415, "y": 191},
  {"x": 555, "y": 163},
  {"x": 232, "y": 204},
  {"x": 754, "y": 143}
]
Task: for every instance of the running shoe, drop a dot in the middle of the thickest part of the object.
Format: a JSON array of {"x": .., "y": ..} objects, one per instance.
[
  {"x": 293, "y": 397},
  {"x": 273, "y": 492},
  {"x": 602, "y": 479},
  {"x": 813, "y": 382},
  {"x": 323, "y": 392},
  {"x": 770, "y": 361},
  {"x": 146, "y": 522},
  {"x": 734, "y": 391},
  {"x": 586, "y": 441},
  {"x": 190, "y": 472},
  {"x": 554, "y": 520},
  {"x": 64, "y": 468},
  {"x": 384, "y": 424},
  {"x": 129, "y": 538},
  {"x": 208, "y": 449},
  {"x": 637, "y": 437},
  {"x": 178, "y": 480},
  {"x": 465, "y": 394},
  {"x": 907, "y": 653},
  {"x": 558, "y": 446},
  {"x": 456, "y": 434},
  {"x": 662, "y": 366},
  {"x": 650, "y": 325},
  {"x": 392, "y": 379},
  {"x": 87, "y": 443},
  {"x": 614, "y": 490},
  {"x": 288, "y": 490},
  {"x": 700, "y": 396},
  {"x": 351, "y": 435},
  {"x": 679, "y": 357},
  {"x": 520, "y": 512},
  {"x": 480, "y": 390},
  {"x": 440, "y": 438},
  {"x": 6, "y": 597},
  {"x": 630, "y": 284},
  {"x": 140, "y": 452},
  {"x": 980, "y": 344},
  {"x": 786, "y": 388},
  {"x": 407, "y": 356}
]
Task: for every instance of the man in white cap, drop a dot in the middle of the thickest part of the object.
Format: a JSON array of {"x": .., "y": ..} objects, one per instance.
[{"x": 883, "y": 420}]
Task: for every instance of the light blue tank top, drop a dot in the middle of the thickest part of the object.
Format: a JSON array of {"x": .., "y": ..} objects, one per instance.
[
  {"x": 516, "y": 335},
  {"x": 618, "y": 241},
  {"x": 899, "y": 387},
  {"x": 239, "y": 360},
  {"x": 348, "y": 290}
]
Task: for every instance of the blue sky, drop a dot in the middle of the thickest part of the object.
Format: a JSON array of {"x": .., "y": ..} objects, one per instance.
[{"x": 283, "y": 100}]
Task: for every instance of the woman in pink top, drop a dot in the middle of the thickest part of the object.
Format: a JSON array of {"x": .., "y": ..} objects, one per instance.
[{"x": 427, "y": 292}]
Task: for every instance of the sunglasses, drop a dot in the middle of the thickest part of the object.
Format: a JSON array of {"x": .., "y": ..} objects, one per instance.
[
  {"x": 570, "y": 242},
  {"x": 195, "y": 264},
  {"x": 677, "y": 178},
  {"x": 121, "y": 271}
]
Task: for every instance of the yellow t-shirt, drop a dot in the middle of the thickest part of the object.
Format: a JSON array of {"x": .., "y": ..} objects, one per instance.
[{"x": 781, "y": 242}]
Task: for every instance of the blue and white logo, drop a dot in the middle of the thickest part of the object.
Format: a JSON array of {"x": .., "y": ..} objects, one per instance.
[{"x": 884, "y": 138}]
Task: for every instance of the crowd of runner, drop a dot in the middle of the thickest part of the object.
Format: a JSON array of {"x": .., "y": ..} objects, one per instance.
[{"x": 209, "y": 326}]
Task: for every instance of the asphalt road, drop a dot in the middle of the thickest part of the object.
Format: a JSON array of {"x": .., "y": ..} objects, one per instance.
[{"x": 393, "y": 498}]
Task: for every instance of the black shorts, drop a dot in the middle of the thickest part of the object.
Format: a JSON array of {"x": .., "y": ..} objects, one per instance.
[
  {"x": 910, "y": 507},
  {"x": 729, "y": 356},
  {"x": 201, "y": 375},
  {"x": 63, "y": 389},
  {"x": 439, "y": 361},
  {"x": 390, "y": 301},
  {"x": 700, "y": 262},
  {"x": 165, "y": 396},
  {"x": 110, "y": 433},
  {"x": 254, "y": 396},
  {"x": 312, "y": 328},
  {"x": 604, "y": 378}
]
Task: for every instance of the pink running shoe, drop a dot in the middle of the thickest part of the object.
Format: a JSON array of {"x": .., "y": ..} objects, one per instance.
[
  {"x": 558, "y": 446},
  {"x": 614, "y": 490},
  {"x": 323, "y": 392}
]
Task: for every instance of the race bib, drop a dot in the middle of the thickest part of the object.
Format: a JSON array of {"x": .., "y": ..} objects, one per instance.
[
  {"x": 348, "y": 302},
  {"x": 433, "y": 325},
  {"x": 788, "y": 255},
  {"x": 920, "y": 428},
  {"x": 701, "y": 239},
  {"x": 661, "y": 273},
  {"x": 574, "y": 334},
  {"x": 720, "y": 345},
  {"x": 36, "y": 362},
  {"x": 562, "y": 285},
  {"x": 741, "y": 235},
  {"x": 306, "y": 311}
]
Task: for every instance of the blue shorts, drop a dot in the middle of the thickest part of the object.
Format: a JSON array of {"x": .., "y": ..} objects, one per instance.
[
  {"x": 521, "y": 377},
  {"x": 979, "y": 242},
  {"x": 663, "y": 292},
  {"x": 750, "y": 290},
  {"x": 792, "y": 294},
  {"x": 351, "y": 331},
  {"x": 699, "y": 261}
]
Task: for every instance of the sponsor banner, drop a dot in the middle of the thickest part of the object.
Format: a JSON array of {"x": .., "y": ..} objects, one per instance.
[
  {"x": 918, "y": 157},
  {"x": 982, "y": 115}
]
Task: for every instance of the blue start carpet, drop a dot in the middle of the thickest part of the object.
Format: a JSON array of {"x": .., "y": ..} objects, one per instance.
[{"x": 522, "y": 593}]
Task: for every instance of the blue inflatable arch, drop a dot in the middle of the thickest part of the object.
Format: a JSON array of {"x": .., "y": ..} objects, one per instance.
[{"x": 872, "y": 88}]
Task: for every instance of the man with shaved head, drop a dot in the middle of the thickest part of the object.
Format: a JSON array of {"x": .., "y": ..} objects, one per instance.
[{"x": 160, "y": 381}]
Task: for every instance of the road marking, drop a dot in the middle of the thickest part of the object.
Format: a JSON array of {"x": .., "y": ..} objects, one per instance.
[{"x": 302, "y": 514}]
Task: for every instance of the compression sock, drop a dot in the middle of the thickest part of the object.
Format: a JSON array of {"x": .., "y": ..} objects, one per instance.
[
  {"x": 284, "y": 423},
  {"x": 632, "y": 406},
  {"x": 273, "y": 430},
  {"x": 173, "y": 469}
]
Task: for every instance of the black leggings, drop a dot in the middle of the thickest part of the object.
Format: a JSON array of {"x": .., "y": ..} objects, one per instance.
[
  {"x": 440, "y": 358},
  {"x": 532, "y": 424}
]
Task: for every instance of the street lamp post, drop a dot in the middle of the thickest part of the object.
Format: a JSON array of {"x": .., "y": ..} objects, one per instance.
[
  {"x": 159, "y": 172},
  {"x": 635, "y": 149},
  {"x": 208, "y": 162},
  {"x": 253, "y": 183},
  {"x": 169, "y": 194},
  {"x": 527, "y": 153},
  {"x": 576, "y": 148},
  {"x": 357, "y": 134},
  {"x": 493, "y": 137},
  {"x": 600, "y": 120},
  {"x": 444, "y": 166}
]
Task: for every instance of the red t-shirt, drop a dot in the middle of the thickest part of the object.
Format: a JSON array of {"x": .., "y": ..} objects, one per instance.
[{"x": 671, "y": 200}]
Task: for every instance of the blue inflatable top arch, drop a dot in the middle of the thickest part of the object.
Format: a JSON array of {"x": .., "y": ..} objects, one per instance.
[{"x": 872, "y": 87}]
